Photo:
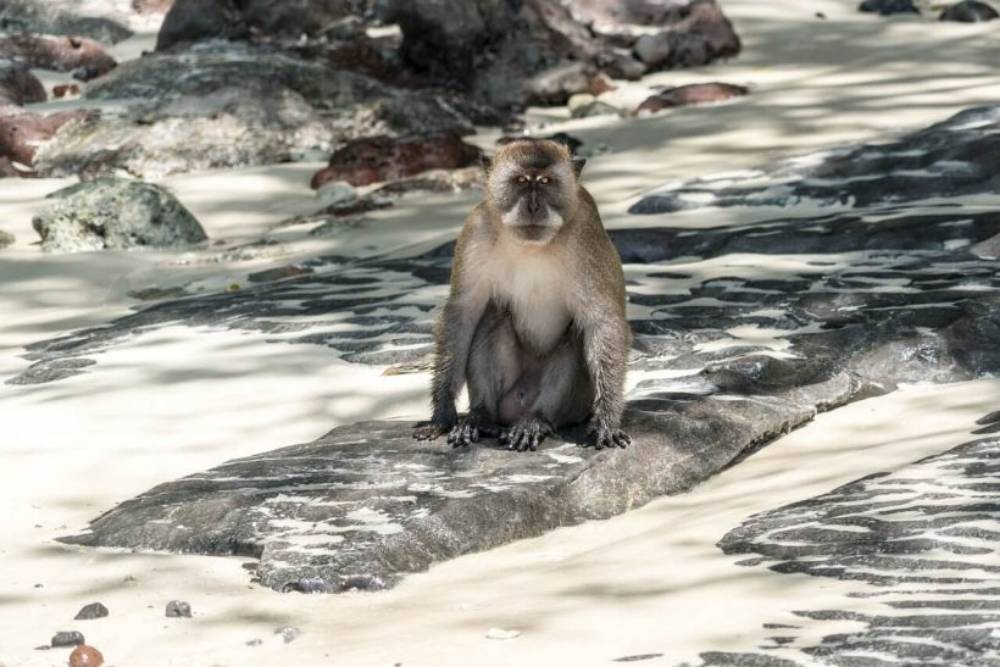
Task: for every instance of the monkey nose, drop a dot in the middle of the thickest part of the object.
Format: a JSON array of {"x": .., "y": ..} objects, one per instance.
[{"x": 534, "y": 206}]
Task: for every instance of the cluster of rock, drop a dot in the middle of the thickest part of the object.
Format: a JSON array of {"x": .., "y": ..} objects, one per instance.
[{"x": 241, "y": 83}]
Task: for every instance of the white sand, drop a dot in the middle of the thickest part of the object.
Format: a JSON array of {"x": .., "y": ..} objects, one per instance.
[{"x": 181, "y": 400}]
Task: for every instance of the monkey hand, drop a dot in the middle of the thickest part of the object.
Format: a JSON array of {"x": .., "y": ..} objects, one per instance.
[
  {"x": 465, "y": 432},
  {"x": 526, "y": 435},
  {"x": 606, "y": 437}
]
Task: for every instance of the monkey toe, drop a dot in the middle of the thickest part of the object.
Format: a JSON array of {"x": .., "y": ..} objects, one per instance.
[
  {"x": 611, "y": 439},
  {"x": 463, "y": 435},
  {"x": 427, "y": 432},
  {"x": 525, "y": 436}
]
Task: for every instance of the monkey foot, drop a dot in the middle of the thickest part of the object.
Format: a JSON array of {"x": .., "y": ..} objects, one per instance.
[
  {"x": 606, "y": 438},
  {"x": 525, "y": 435},
  {"x": 465, "y": 433},
  {"x": 428, "y": 431}
]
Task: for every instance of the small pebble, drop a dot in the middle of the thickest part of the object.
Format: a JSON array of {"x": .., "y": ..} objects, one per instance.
[
  {"x": 85, "y": 656},
  {"x": 178, "y": 609},
  {"x": 91, "y": 611},
  {"x": 288, "y": 633},
  {"x": 66, "y": 638},
  {"x": 254, "y": 642},
  {"x": 500, "y": 633}
]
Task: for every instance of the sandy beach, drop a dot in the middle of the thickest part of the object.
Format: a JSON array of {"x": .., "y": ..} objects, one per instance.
[{"x": 182, "y": 399}]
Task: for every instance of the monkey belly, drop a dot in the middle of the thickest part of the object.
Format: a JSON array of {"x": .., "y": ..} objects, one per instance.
[{"x": 519, "y": 400}]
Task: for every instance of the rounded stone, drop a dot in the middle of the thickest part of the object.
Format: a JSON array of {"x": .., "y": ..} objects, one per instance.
[{"x": 85, "y": 656}]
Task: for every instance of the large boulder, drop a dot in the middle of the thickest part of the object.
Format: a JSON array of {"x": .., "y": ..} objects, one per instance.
[
  {"x": 703, "y": 35},
  {"x": 116, "y": 214},
  {"x": 190, "y": 21}
]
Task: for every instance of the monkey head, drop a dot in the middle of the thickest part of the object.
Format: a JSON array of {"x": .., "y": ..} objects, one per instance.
[{"x": 532, "y": 184}]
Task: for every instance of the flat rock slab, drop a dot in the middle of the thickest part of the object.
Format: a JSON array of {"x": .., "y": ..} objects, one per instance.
[
  {"x": 926, "y": 535},
  {"x": 366, "y": 504}
]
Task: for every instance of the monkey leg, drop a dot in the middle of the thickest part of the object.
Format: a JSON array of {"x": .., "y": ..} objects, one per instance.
[
  {"x": 554, "y": 391},
  {"x": 494, "y": 365}
]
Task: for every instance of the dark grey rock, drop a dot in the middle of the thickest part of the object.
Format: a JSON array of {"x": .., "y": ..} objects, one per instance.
[
  {"x": 197, "y": 20},
  {"x": 115, "y": 213},
  {"x": 969, "y": 11},
  {"x": 67, "y": 638},
  {"x": 91, "y": 611},
  {"x": 178, "y": 609},
  {"x": 888, "y": 7},
  {"x": 955, "y": 157},
  {"x": 6, "y": 239},
  {"x": 924, "y": 537}
]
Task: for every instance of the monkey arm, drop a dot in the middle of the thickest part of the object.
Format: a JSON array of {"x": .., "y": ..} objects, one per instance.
[
  {"x": 453, "y": 339},
  {"x": 606, "y": 346}
]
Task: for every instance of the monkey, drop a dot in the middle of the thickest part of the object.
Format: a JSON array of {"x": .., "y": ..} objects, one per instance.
[{"x": 535, "y": 321}]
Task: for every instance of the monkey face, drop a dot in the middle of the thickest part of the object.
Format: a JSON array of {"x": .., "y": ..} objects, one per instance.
[{"x": 533, "y": 185}]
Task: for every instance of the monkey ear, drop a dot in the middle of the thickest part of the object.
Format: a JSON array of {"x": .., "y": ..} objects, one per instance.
[
  {"x": 486, "y": 162},
  {"x": 578, "y": 163}
]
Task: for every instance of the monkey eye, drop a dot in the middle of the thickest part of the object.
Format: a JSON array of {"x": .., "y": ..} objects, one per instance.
[
  {"x": 544, "y": 180},
  {"x": 522, "y": 179}
]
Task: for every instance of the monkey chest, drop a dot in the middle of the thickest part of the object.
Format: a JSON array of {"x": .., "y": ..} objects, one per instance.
[{"x": 534, "y": 294}]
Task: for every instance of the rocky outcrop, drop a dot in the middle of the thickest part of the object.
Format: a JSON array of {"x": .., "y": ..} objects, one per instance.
[
  {"x": 955, "y": 157},
  {"x": 969, "y": 11},
  {"x": 382, "y": 158},
  {"x": 82, "y": 56},
  {"x": 696, "y": 93},
  {"x": 117, "y": 214}
]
